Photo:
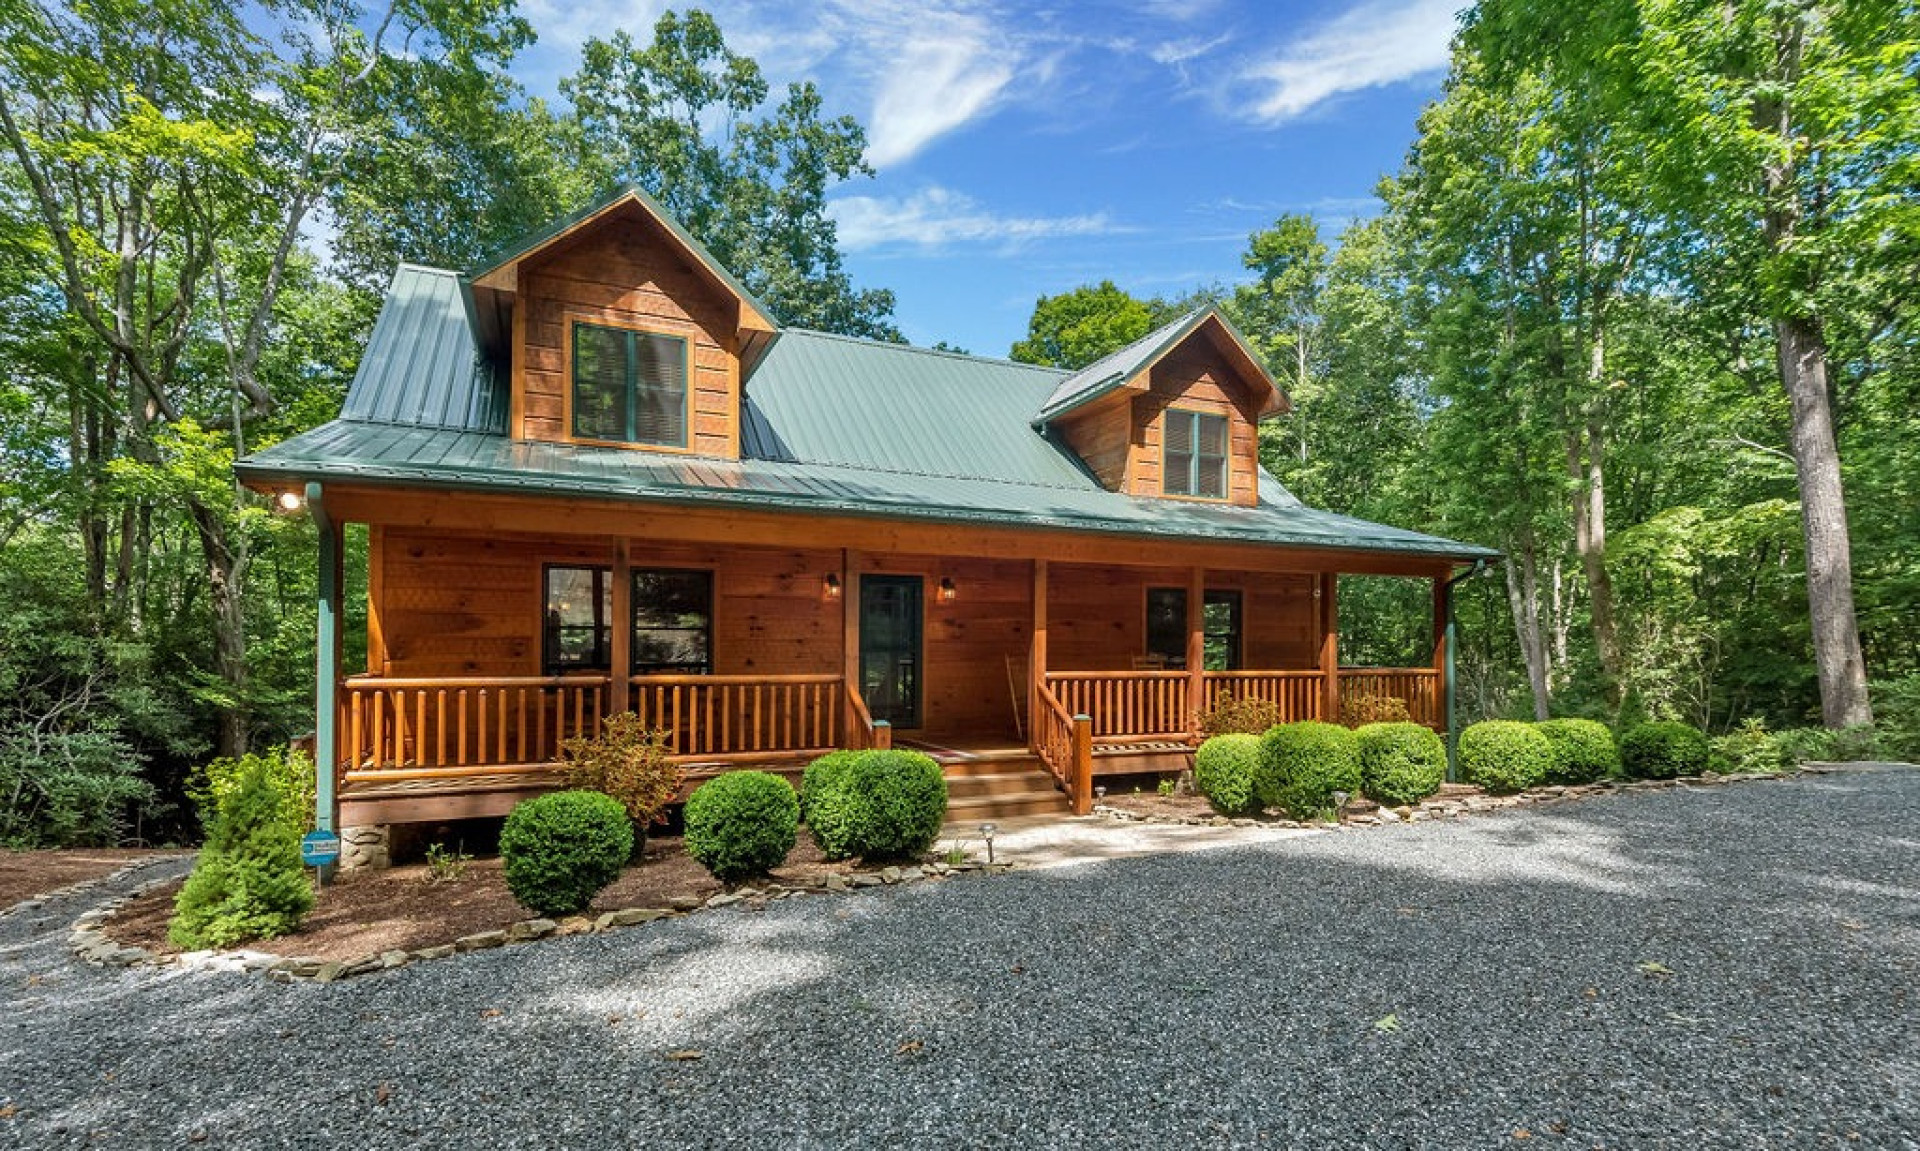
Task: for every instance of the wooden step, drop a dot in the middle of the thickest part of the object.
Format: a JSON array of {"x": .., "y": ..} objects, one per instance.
[
  {"x": 998, "y": 783},
  {"x": 975, "y": 810}
]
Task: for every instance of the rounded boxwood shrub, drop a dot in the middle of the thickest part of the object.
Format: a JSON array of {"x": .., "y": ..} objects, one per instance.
[
  {"x": 1224, "y": 769},
  {"x": 1504, "y": 755},
  {"x": 817, "y": 777},
  {"x": 880, "y": 804},
  {"x": 1664, "y": 749},
  {"x": 1303, "y": 764},
  {"x": 742, "y": 824},
  {"x": 1400, "y": 763},
  {"x": 560, "y": 849},
  {"x": 1583, "y": 750}
]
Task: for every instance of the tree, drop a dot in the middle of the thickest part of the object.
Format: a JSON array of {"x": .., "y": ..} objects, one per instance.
[
  {"x": 1073, "y": 329},
  {"x": 1289, "y": 265}
]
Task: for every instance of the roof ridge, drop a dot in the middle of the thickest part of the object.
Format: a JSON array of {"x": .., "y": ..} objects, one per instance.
[
  {"x": 946, "y": 353},
  {"x": 410, "y": 265}
]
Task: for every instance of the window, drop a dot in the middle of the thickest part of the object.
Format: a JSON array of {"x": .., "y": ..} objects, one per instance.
[
  {"x": 672, "y": 622},
  {"x": 578, "y": 635},
  {"x": 629, "y": 387},
  {"x": 1194, "y": 456},
  {"x": 1220, "y": 626}
]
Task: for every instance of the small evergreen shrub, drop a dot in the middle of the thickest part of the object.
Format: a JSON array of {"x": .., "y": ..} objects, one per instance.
[
  {"x": 742, "y": 824},
  {"x": 1663, "y": 750},
  {"x": 1357, "y": 709},
  {"x": 817, "y": 779},
  {"x": 1232, "y": 715},
  {"x": 560, "y": 849},
  {"x": 1224, "y": 769},
  {"x": 1303, "y": 764},
  {"x": 1504, "y": 755},
  {"x": 248, "y": 882},
  {"x": 1400, "y": 763},
  {"x": 209, "y": 785},
  {"x": 628, "y": 761},
  {"x": 881, "y": 804},
  {"x": 1583, "y": 750},
  {"x": 1748, "y": 750}
]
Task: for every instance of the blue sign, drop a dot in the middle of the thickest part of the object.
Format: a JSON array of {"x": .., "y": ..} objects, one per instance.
[{"x": 320, "y": 849}]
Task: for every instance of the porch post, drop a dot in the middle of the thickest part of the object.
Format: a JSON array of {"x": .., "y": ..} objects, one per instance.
[
  {"x": 1443, "y": 665},
  {"x": 1037, "y": 657},
  {"x": 326, "y": 678},
  {"x": 850, "y": 642},
  {"x": 1330, "y": 646},
  {"x": 1196, "y": 648},
  {"x": 620, "y": 651}
]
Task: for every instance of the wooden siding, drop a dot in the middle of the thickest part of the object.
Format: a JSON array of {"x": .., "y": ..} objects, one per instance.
[
  {"x": 623, "y": 274},
  {"x": 1097, "y": 616}
]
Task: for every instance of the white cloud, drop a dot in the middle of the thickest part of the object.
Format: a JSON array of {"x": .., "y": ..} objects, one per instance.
[
  {"x": 1380, "y": 42},
  {"x": 1175, "y": 52},
  {"x": 936, "y": 218},
  {"x": 935, "y": 79}
]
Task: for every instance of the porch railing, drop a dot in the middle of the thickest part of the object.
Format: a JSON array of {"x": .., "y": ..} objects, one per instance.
[
  {"x": 1417, "y": 687},
  {"x": 420, "y": 728},
  {"x": 1136, "y": 705},
  {"x": 1297, "y": 695},
  {"x": 1065, "y": 744},
  {"x": 722, "y": 717}
]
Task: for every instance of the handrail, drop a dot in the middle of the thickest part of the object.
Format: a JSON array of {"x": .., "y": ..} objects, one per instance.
[
  {"x": 1415, "y": 688},
  {"x": 1294, "y": 694},
  {"x": 867, "y": 733},
  {"x": 717, "y": 716},
  {"x": 1065, "y": 745},
  {"x": 1127, "y": 704},
  {"x": 456, "y": 725}
]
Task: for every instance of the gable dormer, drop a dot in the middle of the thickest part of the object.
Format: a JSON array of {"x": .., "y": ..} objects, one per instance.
[
  {"x": 621, "y": 330},
  {"x": 1173, "y": 415}
]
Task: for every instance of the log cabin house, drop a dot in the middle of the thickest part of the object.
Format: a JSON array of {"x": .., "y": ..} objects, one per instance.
[{"x": 597, "y": 475}]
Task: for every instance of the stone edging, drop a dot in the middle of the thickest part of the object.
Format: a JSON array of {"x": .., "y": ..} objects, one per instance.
[
  {"x": 36, "y": 902},
  {"x": 89, "y": 942},
  {"x": 1440, "y": 807}
]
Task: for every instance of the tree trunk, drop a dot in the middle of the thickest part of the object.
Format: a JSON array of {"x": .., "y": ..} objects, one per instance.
[
  {"x": 1823, "y": 522},
  {"x": 1523, "y": 595},
  {"x": 225, "y": 570}
]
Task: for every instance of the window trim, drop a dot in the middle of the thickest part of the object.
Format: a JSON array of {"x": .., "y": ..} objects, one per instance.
[
  {"x": 576, "y": 321},
  {"x": 633, "y": 616},
  {"x": 1195, "y": 415}
]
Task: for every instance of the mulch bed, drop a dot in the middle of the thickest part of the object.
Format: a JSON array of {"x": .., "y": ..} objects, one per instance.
[
  {"x": 368, "y": 912},
  {"x": 24, "y": 874}
]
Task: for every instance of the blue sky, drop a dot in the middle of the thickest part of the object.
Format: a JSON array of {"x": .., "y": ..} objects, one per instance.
[{"x": 1023, "y": 149}]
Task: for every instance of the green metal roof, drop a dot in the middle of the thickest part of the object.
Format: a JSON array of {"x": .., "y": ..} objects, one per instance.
[
  {"x": 1115, "y": 369},
  {"x": 422, "y": 367},
  {"x": 349, "y": 450}
]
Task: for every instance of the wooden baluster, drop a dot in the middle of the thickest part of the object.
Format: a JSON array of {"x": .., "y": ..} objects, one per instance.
[
  {"x": 520, "y": 724},
  {"x": 540, "y": 728}
]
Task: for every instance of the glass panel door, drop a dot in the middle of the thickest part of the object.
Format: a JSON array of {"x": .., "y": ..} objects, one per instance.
[{"x": 890, "y": 647}]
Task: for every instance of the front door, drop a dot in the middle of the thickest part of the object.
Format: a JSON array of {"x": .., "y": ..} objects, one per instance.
[{"x": 890, "y": 647}]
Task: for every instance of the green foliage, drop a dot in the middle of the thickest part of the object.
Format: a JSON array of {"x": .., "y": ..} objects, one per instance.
[
  {"x": 1748, "y": 749},
  {"x": 817, "y": 779},
  {"x": 1504, "y": 755},
  {"x": 1225, "y": 769},
  {"x": 628, "y": 761},
  {"x": 1583, "y": 750},
  {"x": 1232, "y": 714},
  {"x": 1897, "y": 718},
  {"x": 1400, "y": 763},
  {"x": 560, "y": 849},
  {"x": 248, "y": 882},
  {"x": 1303, "y": 764},
  {"x": 877, "y": 804},
  {"x": 1663, "y": 749},
  {"x": 66, "y": 788},
  {"x": 446, "y": 864},
  {"x": 292, "y": 771},
  {"x": 1824, "y": 745},
  {"x": 1073, "y": 329},
  {"x": 742, "y": 823}
]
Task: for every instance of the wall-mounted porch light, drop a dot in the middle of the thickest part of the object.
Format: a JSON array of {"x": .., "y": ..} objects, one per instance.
[
  {"x": 290, "y": 501},
  {"x": 830, "y": 587},
  {"x": 947, "y": 591}
]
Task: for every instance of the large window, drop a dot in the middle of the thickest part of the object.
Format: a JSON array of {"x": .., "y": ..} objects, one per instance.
[
  {"x": 1220, "y": 625},
  {"x": 629, "y": 387},
  {"x": 579, "y": 612},
  {"x": 672, "y": 621},
  {"x": 1194, "y": 455}
]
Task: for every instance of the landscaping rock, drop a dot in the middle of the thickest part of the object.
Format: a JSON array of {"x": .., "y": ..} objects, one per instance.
[
  {"x": 441, "y": 951},
  {"x": 889, "y": 875},
  {"x": 394, "y": 958},
  {"x": 531, "y": 929},
  {"x": 724, "y": 899},
  {"x": 836, "y": 881},
  {"x": 866, "y": 879},
  {"x": 685, "y": 902},
  {"x": 631, "y": 916},
  {"x": 480, "y": 941}
]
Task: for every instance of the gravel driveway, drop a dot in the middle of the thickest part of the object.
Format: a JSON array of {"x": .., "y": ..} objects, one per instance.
[{"x": 1731, "y": 966}]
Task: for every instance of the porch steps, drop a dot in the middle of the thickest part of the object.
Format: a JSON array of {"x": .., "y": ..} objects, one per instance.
[{"x": 980, "y": 791}]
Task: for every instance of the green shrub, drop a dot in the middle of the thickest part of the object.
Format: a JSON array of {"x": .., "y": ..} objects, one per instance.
[
  {"x": 1400, "y": 763},
  {"x": 1663, "y": 749},
  {"x": 630, "y": 762},
  {"x": 817, "y": 777},
  {"x": 1233, "y": 715},
  {"x": 879, "y": 804},
  {"x": 1583, "y": 750},
  {"x": 1825, "y": 745},
  {"x": 248, "y": 882},
  {"x": 1224, "y": 769},
  {"x": 1303, "y": 764},
  {"x": 560, "y": 849},
  {"x": 292, "y": 769},
  {"x": 67, "y": 788},
  {"x": 1504, "y": 755},
  {"x": 1896, "y": 713},
  {"x": 742, "y": 824},
  {"x": 1748, "y": 750}
]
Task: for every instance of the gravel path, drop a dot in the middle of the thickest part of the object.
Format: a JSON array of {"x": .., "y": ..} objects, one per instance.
[{"x": 1726, "y": 967}]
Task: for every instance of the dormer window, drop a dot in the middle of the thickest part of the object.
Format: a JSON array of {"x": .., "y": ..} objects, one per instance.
[
  {"x": 629, "y": 387},
  {"x": 1194, "y": 455}
]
